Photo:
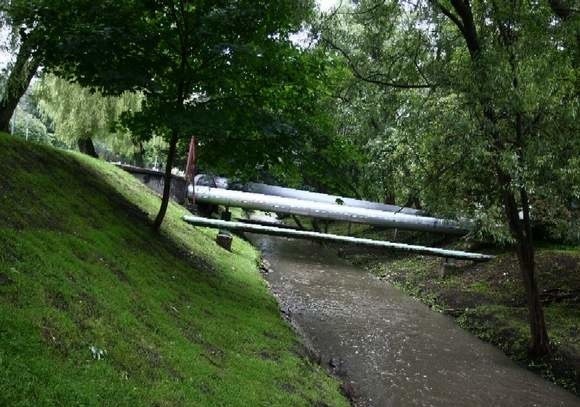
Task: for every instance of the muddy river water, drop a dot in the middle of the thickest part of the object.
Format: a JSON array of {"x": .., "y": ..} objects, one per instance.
[{"x": 392, "y": 349}]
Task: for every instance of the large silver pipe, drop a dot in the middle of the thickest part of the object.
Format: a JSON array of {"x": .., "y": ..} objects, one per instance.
[
  {"x": 303, "y": 234},
  {"x": 258, "y": 188},
  {"x": 320, "y": 210},
  {"x": 325, "y": 198}
]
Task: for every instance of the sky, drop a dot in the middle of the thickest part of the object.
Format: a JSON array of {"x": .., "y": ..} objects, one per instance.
[
  {"x": 327, "y": 5},
  {"x": 4, "y": 54}
]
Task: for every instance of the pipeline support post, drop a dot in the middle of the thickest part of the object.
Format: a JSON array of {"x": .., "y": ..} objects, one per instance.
[
  {"x": 224, "y": 239},
  {"x": 190, "y": 170}
]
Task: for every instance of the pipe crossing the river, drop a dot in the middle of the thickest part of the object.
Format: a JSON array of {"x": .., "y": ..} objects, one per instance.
[
  {"x": 303, "y": 234},
  {"x": 325, "y": 198},
  {"x": 268, "y": 203},
  {"x": 274, "y": 190}
]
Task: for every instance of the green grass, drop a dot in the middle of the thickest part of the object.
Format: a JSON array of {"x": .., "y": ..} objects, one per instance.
[{"x": 180, "y": 321}]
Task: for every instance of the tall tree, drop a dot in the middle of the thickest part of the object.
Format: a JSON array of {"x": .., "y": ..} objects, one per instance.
[
  {"x": 486, "y": 99},
  {"x": 18, "y": 73},
  {"x": 226, "y": 69},
  {"x": 51, "y": 34},
  {"x": 219, "y": 70},
  {"x": 231, "y": 69}
]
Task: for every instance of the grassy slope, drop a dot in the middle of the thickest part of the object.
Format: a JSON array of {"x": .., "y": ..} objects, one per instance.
[{"x": 182, "y": 321}]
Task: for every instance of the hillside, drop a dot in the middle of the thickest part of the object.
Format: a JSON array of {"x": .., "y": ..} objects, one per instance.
[{"x": 96, "y": 309}]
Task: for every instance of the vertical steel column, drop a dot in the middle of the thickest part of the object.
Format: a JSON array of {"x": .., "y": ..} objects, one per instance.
[{"x": 190, "y": 168}]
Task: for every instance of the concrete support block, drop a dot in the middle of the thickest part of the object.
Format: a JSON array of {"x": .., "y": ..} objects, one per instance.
[{"x": 224, "y": 239}]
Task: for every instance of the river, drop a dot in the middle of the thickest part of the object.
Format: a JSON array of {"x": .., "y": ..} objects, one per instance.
[{"x": 393, "y": 350}]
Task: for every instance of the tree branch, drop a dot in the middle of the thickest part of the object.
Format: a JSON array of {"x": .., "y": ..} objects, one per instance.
[
  {"x": 449, "y": 15},
  {"x": 562, "y": 9},
  {"x": 371, "y": 79},
  {"x": 464, "y": 21}
]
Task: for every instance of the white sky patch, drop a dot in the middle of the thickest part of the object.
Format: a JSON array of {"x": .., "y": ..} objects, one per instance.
[
  {"x": 5, "y": 55},
  {"x": 303, "y": 38},
  {"x": 327, "y": 5}
]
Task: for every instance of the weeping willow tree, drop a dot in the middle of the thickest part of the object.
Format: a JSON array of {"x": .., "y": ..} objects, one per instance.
[{"x": 83, "y": 117}]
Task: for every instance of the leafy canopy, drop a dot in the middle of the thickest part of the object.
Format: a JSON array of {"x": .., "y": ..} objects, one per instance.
[{"x": 423, "y": 106}]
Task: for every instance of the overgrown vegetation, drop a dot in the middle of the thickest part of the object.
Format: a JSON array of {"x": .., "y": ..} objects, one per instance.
[
  {"x": 82, "y": 117},
  {"x": 488, "y": 298},
  {"x": 96, "y": 309},
  {"x": 468, "y": 108}
]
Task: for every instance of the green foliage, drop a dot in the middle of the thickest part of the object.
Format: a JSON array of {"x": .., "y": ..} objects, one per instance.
[
  {"x": 180, "y": 320},
  {"x": 77, "y": 113},
  {"x": 85, "y": 35},
  {"x": 53, "y": 34},
  {"x": 437, "y": 128},
  {"x": 225, "y": 72},
  {"x": 206, "y": 69},
  {"x": 29, "y": 127}
]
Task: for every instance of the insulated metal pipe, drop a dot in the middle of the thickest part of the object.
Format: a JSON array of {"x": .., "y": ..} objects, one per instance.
[
  {"x": 302, "y": 234},
  {"x": 274, "y": 190},
  {"x": 325, "y": 198},
  {"x": 268, "y": 203}
]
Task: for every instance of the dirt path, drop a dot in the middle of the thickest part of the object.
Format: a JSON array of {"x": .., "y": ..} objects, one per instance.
[{"x": 394, "y": 350}]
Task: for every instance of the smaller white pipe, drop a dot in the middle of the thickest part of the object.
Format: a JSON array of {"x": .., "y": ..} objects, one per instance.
[{"x": 303, "y": 234}]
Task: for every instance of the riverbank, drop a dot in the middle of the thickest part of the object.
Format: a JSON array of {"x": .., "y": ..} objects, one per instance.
[
  {"x": 488, "y": 300},
  {"x": 96, "y": 309},
  {"x": 390, "y": 349}
]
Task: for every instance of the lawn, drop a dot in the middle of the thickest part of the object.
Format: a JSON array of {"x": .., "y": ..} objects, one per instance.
[{"x": 97, "y": 309}]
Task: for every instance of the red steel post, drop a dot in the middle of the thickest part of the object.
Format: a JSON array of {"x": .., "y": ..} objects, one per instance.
[{"x": 190, "y": 168}]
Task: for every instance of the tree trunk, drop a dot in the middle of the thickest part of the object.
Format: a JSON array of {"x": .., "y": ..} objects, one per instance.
[
  {"x": 166, "y": 181},
  {"x": 539, "y": 341},
  {"x": 521, "y": 230},
  {"x": 413, "y": 201},
  {"x": 463, "y": 19},
  {"x": 87, "y": 147},
  {"x": 140, "y": 155},
  {"x": 17, "y": 83},
  {"x": 315, "y": 225},
  {"x": 353, "y": 189},
  {"x": 297, "y": 221}
]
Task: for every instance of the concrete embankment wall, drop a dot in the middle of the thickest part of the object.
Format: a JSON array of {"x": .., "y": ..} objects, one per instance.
[{"x": 155, "y": 180}]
